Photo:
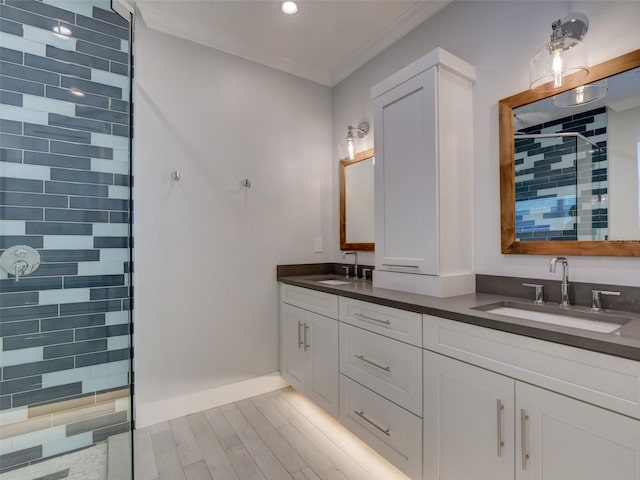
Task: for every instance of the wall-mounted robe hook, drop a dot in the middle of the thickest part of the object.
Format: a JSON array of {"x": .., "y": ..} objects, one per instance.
[
  {"x": 246, "y": 183},
  {"x": 175, "y": 175}
]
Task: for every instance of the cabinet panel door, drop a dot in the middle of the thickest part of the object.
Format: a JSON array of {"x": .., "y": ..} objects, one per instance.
[
  {"x": 292, "y": 354},
  {"x": 322, "y": 361},
  {"x": 406, "y": 177},
  {"x": 390, "y": 430},
  {"x": 388, "y": 367},
  {"x": 566, "y": 439},
  {"x": 463, "y": 424}
]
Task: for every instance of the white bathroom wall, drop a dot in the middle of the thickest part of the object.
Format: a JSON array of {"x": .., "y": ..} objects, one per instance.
[
  {"x": 206, "y": 300},
  {"x": 498, "y": 38}
]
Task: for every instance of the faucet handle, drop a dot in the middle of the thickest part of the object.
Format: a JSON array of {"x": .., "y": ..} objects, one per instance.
[
  {"x": 366, "y": 271},
  {"x": 539, "y": 292},
  {"x": 596, "y": 301},
  {"x": 346, "y": 270}
]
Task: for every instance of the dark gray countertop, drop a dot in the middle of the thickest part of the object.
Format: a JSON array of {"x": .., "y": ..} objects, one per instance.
[{"x": 624, "y": 342}]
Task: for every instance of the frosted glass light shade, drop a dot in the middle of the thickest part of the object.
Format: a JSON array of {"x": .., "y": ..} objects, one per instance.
[{"x": 557, "y": 60}]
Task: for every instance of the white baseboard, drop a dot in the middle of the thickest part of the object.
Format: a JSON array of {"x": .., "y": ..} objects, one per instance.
[{"x": 175, "y": 407}]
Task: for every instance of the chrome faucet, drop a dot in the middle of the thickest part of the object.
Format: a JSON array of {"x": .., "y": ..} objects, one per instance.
[
  {"x": 355, "y": 261},
  {"x": 564, "y": 301}
]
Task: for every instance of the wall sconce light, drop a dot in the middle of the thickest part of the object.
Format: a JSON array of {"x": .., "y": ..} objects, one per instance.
[
  {"x": 354, "y": 134},
  {"x": 565, "y": 55}
]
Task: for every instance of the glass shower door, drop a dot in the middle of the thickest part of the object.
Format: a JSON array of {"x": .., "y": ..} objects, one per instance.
[{"x": 65, "y": 297}]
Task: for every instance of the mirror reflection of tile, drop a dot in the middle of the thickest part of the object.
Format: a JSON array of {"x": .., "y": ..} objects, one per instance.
[{"x": 561, "y": 182}]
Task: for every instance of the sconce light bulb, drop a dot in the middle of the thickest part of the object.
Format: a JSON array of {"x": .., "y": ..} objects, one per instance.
[
  {"x": 556, "y": 67},
  {"x": 350, "y": 147}
]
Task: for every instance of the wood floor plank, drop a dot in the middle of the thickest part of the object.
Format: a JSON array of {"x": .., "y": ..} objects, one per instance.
[
  {"x": 167, "y": 459},
  {"x": 269, "y": 411},
  {"x": 262, "y": 455},
  {"x": 145, "y": 460},
  {"x": 186, "y": 443},
  {"x": 214, "y": 455},
  {"x": 158, "y": 427},
  {"x": 244, "y": 464},
  {"x": 316, "y": 435},
  {"x": 226, "y": 435},
  {"x": 325, "y": 422},
  {"x": 197, "y": 471},
  {"x": 272, "y": 438},
  {"x": 305, "y": 474},
  {"x": 314, "y": 458}
]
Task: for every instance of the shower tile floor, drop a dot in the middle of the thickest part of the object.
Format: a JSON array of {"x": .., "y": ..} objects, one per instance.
[{"x": 87, "y": 464}]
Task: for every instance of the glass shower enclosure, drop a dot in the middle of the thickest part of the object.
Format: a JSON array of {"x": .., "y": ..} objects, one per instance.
[{"x": 65, "y": 240}]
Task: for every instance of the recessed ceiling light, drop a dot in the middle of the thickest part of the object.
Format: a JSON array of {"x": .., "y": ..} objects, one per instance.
[
  {"x": 62, "y": 31},
  {"x": 289, "y": 8}
]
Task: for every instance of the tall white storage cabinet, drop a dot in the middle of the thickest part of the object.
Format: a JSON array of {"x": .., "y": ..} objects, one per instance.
[{"x": 424, "y": 177}]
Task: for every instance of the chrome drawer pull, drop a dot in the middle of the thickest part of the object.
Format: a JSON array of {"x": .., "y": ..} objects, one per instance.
[
  {"x": 362, "y": 416},
  {"x": 500, "y": 409},
  {"x": 396, "y": 265},
  {"x": 524, "y": 420},
  {"x": 364, "y": 317},
  {"x": 299, "y": 336},
  {"x": 377, "y": 365},
  {"x": 306, "y": 345}
]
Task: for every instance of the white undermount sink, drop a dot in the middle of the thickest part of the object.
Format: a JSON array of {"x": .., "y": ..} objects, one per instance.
[
  {"x": 333, "y": 282},
  {"x": 594, "y": 322}
]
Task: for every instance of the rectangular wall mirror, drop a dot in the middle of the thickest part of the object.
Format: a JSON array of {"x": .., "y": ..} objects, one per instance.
[
  {"x": 356, "y": 202},
  {"x": 570, "y": 165}
]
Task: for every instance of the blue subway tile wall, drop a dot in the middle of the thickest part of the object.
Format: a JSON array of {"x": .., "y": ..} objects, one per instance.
[
  {"x": 64, "y": 128},
  {"x": 561, "y": 182}
]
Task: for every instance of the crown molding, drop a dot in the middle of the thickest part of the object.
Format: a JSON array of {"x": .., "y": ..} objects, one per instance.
[
  {"x": 161, "y": 21},
  {"x": 413, "y": 17}
]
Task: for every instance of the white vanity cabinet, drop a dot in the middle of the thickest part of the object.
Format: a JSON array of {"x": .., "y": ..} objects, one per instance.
[
  {"x": 485, "y": 424},
  {"x": 424, "y": 177},
  {"x": 560, "y": 438},
  {"x": 468, "y": 421},
  {"x": 309, "y": 345},
  {"x": 381, "y": 380}
]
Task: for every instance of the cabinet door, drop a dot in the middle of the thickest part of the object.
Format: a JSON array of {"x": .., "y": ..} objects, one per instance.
[
  {"x": 292, "y": 353},
  {"x": 322, "y": 361},
  {"x": 566, "y": 439},
  {"x": 406, "y": 177},
  {"x": 468, "y": 421}
]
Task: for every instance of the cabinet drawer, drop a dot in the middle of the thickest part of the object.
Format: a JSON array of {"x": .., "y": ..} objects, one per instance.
[
  {"x": 388, "y": 367},
  {"x": 604, "y": 380},
  {"x": 390, "y": 430},
  {"x": 391, "y": 322},
  {"x": 312, "y": 300}
]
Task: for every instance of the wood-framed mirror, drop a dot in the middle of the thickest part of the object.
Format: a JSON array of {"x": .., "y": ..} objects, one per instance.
[
  {"x": 356, "y": 202},
  {"x": 528, "y": 211}
]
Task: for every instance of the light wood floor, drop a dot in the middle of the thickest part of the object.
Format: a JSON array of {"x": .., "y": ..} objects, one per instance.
[{"x": 275, "y": 436}]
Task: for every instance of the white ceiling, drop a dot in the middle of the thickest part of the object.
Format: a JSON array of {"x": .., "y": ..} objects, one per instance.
[{"x": 324, "y": 42}]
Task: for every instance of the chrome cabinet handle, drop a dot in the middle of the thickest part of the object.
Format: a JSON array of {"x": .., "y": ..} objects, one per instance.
[
  {"x": 524, "y": 419},
  {"x": 364, "y": 317},
  {"x": 362, "y": 416},
  {"x": 396, "y": 265},
  {"x": 377, "y": 365},
  {"x": 306, "y": 345},
  {"x": 299, "y": 336},
  {"x": 499, "y": 410}
]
